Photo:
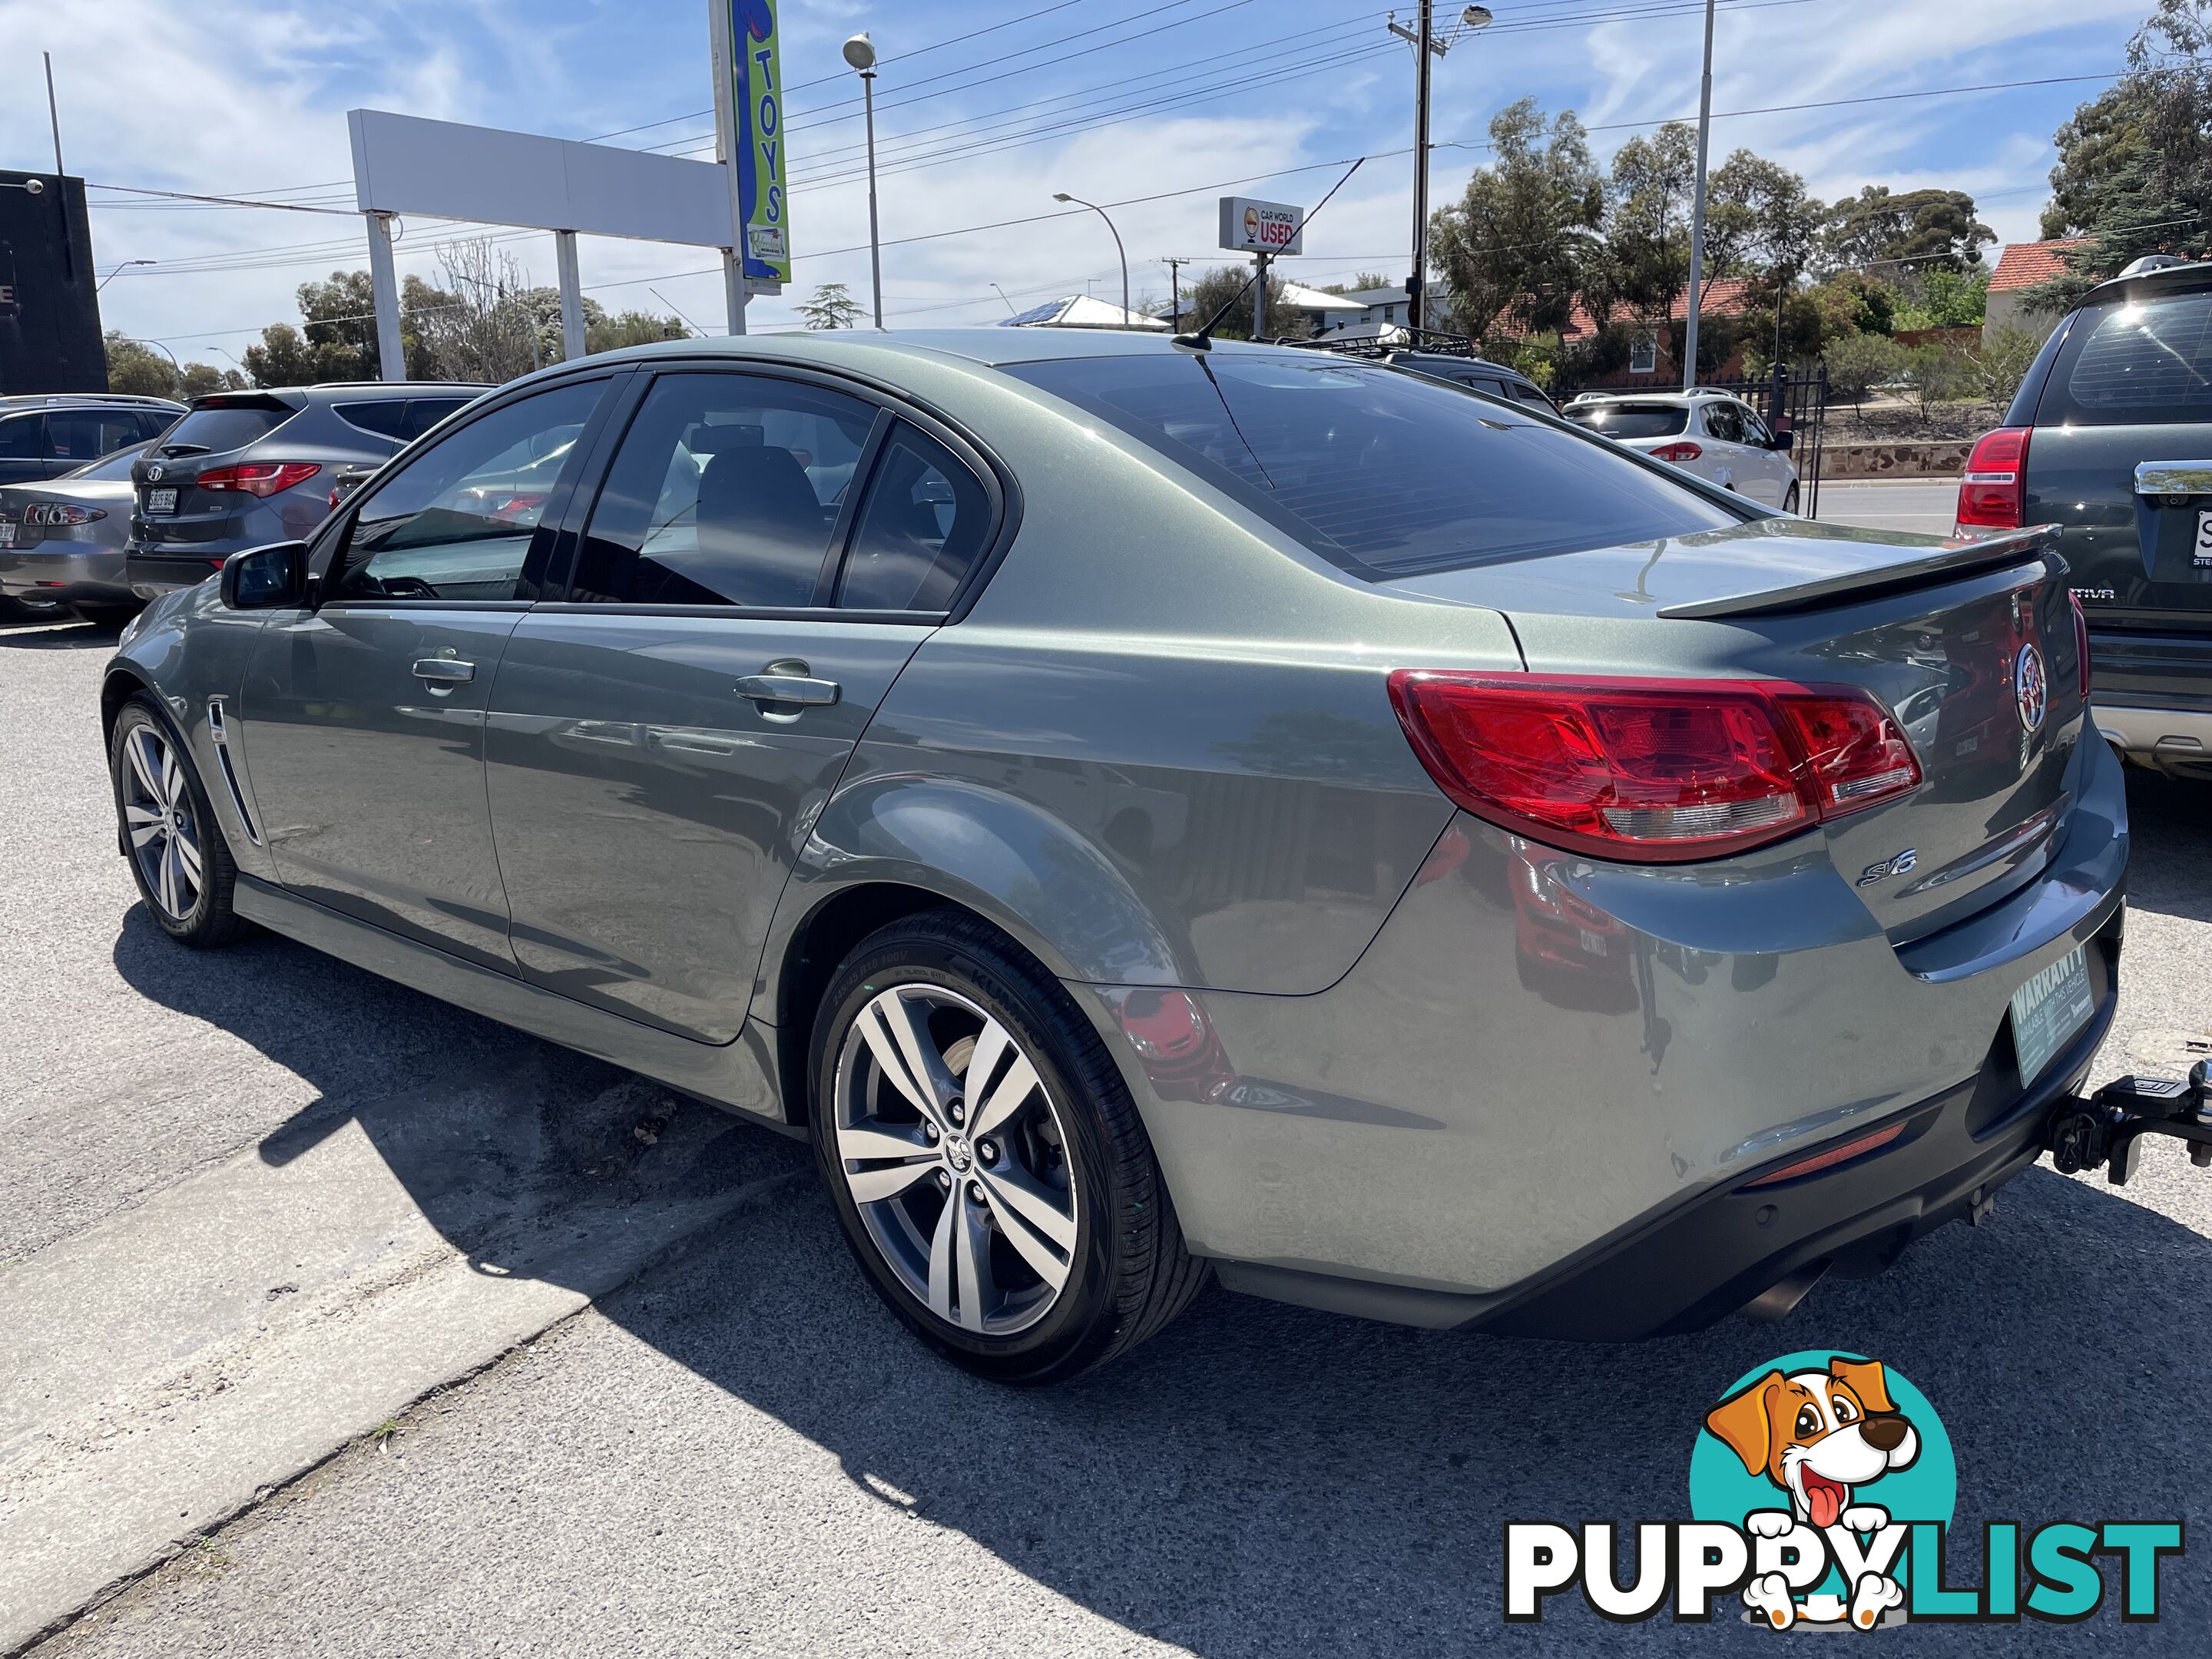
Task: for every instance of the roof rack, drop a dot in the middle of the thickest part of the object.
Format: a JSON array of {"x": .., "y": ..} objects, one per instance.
[
  {"x": 386, "y": 385},
  {"x": 1403, "y": 337}
]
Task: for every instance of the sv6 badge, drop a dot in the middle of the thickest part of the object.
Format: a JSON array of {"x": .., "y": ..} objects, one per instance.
[{"x": 1896, "y": 865}]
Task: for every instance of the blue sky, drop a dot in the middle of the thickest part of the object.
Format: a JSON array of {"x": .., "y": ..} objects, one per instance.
[{"x": 1112, "y": 99}]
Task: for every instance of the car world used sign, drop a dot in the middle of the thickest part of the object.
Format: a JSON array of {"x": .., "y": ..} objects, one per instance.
[{"x": 1271, "y": 227}]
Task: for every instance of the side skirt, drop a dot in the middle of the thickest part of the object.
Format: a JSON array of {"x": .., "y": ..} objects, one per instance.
[{"x": 738, "y": 1076}]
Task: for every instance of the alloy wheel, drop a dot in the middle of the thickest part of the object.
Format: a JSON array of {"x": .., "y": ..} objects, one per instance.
[
  {"x": 955, "y": 1158},
  {"x": 162, "y": 825}
]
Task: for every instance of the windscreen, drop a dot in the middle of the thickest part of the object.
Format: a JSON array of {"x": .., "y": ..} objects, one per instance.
[
  {"x": 1631, "y": 420},
  {"x": 1376, "y": 469},
  {"x": 2142, "y": 362},
  {"x": 222, "y": 427}
]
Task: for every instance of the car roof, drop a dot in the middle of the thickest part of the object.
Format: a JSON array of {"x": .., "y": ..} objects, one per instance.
[
  {"x": 1699, "y": 395},
  {"x": 86, "y": 400},
  {"x": 2173, "y": 279}
]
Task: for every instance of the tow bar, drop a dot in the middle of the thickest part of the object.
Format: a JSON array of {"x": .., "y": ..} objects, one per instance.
[{"x": 2108, "y": 1127}]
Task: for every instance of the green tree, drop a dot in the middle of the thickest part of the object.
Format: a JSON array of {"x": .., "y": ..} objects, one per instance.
[
  {"x": 1921, "y": 228},
  {"x": 1859, "y": 362},
  {"x": 628, "y": 328},
  {"x": 1646, "y": 261},
  {"x": 1761, "y": 225},
  {"x": 1945, "y": 299},
  {"x": 1519, "y": 239},
  {"x": 136, "y": 368},
  {"x": 2102, "y": 142},
  {"x": 200, "y": 379},
  {"x": 1222, "y": 285},
  {"x": 832, "y": 306},
  {"x": 1937, "y": 374},
  {"x": 1852, "y": 302},
  {"x": 282, "y": 358},
  {"x": 2007, "y": 354}
]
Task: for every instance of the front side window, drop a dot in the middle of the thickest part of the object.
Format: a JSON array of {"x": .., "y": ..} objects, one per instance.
[
  {"x": 456, "y": 522},
  {"x": 924, "y": 525},
  {"x": 2141, "y": 362},
  {"x": 726, "y": 490},
  {"x": 1390, "y": 472}
]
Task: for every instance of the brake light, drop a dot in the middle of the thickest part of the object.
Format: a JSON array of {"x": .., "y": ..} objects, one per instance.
[
  {"x": 1652, "y": 770},
  {"x": 1829, "y": 1159},
  {"x": 1684, "y": 450},
  {"x": 259, "y": 478},
  {"x": 1993, "y": 490},
  {"x": 2081, "y": 643}
]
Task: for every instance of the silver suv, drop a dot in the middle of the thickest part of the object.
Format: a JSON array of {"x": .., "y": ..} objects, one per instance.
[
  {"x": 43, "y": 437},
  {"x": 245, "y": 468}
]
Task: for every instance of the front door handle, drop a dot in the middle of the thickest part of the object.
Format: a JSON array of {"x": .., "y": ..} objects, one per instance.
[
  {"x": 444, "y": 670},
  {"x": 790, "y": 688}
]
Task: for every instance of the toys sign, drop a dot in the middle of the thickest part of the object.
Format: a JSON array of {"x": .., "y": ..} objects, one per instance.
[{"x": 1252, "y": 226}]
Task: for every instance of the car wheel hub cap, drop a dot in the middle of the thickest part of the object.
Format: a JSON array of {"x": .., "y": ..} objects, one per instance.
[
  {"x": 159, "y": 823},
  {"x": 986, "y": 1247}
]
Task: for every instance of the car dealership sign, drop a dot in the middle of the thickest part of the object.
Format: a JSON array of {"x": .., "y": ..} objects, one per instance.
[{"x": 1271, "y": 227}]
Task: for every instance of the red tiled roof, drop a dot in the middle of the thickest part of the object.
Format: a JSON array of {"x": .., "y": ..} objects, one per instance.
[
  {"x": 1728, "y": 296},
  {"x": 2026, "y": 264}
]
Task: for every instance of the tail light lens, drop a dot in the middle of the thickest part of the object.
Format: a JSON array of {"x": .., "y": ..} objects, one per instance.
[
  {"x": 58, "y": 514},
  {"x": 1652, "y": 771},
  {"x": 261, "y": 479},
  {"x": 1679, "y": 452},
  {"x": 1829, "y": 1159},
  {"x": 1993, "y": 493},
  {"x": 2082, "y": 643}
]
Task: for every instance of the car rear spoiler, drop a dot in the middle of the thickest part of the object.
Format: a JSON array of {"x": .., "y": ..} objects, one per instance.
[{"x": 1934, "y": 565}]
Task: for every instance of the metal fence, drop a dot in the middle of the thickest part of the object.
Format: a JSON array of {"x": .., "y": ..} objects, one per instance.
[{"x": 1791, "y": 402}]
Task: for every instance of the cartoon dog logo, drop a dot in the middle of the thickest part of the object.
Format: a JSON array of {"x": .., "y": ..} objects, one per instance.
[{"x": 1819, "y": 1436}]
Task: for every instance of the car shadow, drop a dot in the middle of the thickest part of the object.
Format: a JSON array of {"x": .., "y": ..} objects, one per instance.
[
  {"x": 1259, "y": 1479},
  {"x": 55, "y": 637}
]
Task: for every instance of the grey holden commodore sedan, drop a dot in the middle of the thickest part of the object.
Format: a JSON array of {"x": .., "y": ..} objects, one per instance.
[{"x": 1143, "y": 811}]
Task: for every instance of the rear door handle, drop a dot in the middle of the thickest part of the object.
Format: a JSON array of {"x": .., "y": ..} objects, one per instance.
[
  {"x": 444, "y": 670},
  {"x": 790, "y": 688}
]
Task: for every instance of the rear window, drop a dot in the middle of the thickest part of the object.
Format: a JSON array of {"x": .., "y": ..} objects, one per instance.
[
  {"x": 1631, "y": 420},
  {"x": 2142, "y": 362},
  {"x": 1386, "y": 472},
  {"x": 224, "y": 427}
]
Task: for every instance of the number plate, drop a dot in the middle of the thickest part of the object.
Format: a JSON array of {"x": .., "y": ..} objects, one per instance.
[
  {"x": 2204, "y": 541},
  {"x": 7, "y": 535},
  {"x": 2048, "y": 1009},
  {"x": 160, "y": 501}
]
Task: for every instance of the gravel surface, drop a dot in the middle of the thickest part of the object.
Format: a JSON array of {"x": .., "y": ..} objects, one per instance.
[{"x": 740, "y": 1452}]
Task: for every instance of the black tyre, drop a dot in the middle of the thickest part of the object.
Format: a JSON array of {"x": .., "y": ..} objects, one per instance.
[
  {"x": 1789, "y": 498},
  {"x": 1024, "y": 1233},
  {"x": 168, "y": 830},
  {"x": 108, "y": 618}
]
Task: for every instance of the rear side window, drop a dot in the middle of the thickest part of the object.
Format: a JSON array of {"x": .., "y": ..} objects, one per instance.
[
  {"x": 1386, "y": 473},
  {"x": 385, "y": 418},
  {"x": 726, "y": 492},
  {"x": 2138, "y": 363},
  {"x": 78, "y": 436},
  {"x": 153, "y": 422},
  {"x": 1725, "y": 422},
  {"x": 924, "y": 525},
  {"x": 222, "y": 426},
  {"x": 1631, "y": 420}
]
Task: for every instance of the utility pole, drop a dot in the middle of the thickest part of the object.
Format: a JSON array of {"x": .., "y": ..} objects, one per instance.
[
  {"x": 861, "y": 53},
  {"x": 1260, "y": 298},
  {"x": 61, "y": 191},
  {"x": 1175, "y": 295},
  {"x": 1698, "y": 217},
  {"x": 1424, "y": 41}
]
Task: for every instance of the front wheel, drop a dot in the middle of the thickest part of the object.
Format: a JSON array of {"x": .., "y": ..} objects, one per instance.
[
  {"x": 985, "y": 1159},
  {"x": 177, "y": 852},
  {"x": 1789, "y": 498}
]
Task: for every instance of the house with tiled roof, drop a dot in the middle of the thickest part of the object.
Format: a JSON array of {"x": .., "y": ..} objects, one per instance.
[
  {"x": 2022, "y": 266},
  {"x": 1650, "y": 350}
]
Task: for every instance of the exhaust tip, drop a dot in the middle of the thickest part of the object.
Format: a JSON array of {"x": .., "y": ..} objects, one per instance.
[{"x": 1778, "y": 1300}]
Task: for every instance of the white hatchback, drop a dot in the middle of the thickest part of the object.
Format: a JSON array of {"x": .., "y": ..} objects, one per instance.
[{"x": 1721, "y": 439}]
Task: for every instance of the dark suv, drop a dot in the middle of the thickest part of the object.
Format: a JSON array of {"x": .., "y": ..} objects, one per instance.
[
  {"x": 243, "y": 469},
  {"x": 43, "y": 437},
  {"x": 1439, "y": 356},
  {"x": 2110, "y": 436}
]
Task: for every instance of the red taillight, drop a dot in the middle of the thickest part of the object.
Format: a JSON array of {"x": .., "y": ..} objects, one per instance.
[
  {"x": 2081, "y": 643},
  {"x": 1829, "y": 1159},
  {"x": 262, "y": 478},
  {"x": 1993, "y": 493},
  {"x": 1654, "y": 771},
  {"x": 1680, "y": 451}
]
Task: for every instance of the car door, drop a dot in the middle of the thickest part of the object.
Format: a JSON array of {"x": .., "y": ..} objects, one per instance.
[
  {"x": 661, "y": 740},
  {"x": 1767, "y": 473},
  {"x": 1724, "y": 461},
  {"x": 363, "y": 718},
  {"x": 74, "y": 437}
]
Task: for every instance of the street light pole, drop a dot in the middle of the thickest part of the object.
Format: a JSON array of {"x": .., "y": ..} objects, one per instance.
[
  {"x": 120, "y": 269},
  {"x": 1424, "y": 41},
  {"x": 1062, "y": 195},
  {"x": 1698, "y": 216},
  {"x": 861, "y": 53}
]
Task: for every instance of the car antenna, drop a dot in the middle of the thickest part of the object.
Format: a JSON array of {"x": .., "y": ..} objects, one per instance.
[{"x": 1203, "y": 339}]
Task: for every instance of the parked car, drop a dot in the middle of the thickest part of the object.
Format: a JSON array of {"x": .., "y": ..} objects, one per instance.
[
  {"x": 1717, "y": 437},
  {"x": 61, "y": 542},
  {"x": 245, "y": 468},
  {"x": 2110, "y": 437},
  {"x": 1442, "y": 357},
  {"x": 45, "y": 436},
  {"x": 1143, "y": 810}
]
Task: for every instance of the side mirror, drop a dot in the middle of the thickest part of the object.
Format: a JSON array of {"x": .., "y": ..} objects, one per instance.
[
  {"x": 272, "y": 577},
  {"x": 1783, "y": 441}
]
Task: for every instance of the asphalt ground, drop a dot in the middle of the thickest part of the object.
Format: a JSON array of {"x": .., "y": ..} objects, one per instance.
[
  {"x": 1926, "y": 505},
  {"x": 735, "y": 1449}
]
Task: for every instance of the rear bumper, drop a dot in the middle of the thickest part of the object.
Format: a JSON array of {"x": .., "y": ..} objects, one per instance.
[
  {"x": 65, "y": 573},
  {"x": 2160, "y": 736},
  {"x": 149, "y": 575}
]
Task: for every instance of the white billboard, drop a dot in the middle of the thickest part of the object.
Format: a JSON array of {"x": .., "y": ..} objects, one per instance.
[{"x": 1254, "y": 227}]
